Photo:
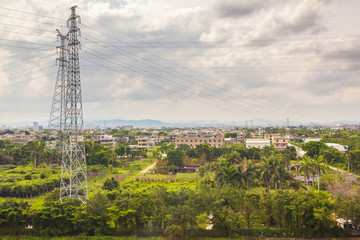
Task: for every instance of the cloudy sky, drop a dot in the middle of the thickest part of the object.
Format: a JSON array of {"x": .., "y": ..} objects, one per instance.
[{"x": 182, "y": 60}]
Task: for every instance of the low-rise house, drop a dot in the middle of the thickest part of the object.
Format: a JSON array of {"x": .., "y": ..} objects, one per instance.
[
  {"x": 20, "y": 138},
  {"x": 342, "y": 223},
  {"x": 311, "y": 181}
]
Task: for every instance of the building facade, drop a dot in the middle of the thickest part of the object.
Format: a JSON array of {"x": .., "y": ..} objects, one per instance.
[
  {"x": 257, "y": 143},
  {"x": 193, "y": 141}
]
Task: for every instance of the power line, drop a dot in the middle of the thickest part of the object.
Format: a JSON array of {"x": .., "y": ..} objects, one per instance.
[{"x": 35, "y": 14}]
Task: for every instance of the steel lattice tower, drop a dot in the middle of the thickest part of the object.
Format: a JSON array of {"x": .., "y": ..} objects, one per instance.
[
  {"x": 73, "y": 183},
  {"x": 57, "y": 108}
]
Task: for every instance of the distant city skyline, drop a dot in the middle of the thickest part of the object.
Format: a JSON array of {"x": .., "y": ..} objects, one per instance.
[{"x": 175, "y": 60}]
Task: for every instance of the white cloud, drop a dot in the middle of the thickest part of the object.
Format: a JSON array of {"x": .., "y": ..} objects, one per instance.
[{"x": 184, "y": 60}]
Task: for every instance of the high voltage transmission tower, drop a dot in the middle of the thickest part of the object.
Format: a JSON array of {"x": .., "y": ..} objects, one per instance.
[
  {"x": 73, "y": 183},
  {"x": 57, "y": 108}
]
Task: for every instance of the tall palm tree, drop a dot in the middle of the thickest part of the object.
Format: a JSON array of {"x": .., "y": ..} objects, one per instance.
[
  {"x": 240, "y": 175},
  {"x": 250, "y": 174},
  {"x": 307, "y": 167},
  {"x": 270, "y": 171},
  {"x": 319, "y": 168},
  {"x": 287, "y": 155}
]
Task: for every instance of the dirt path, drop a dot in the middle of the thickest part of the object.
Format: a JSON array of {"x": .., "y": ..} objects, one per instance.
[
  {"x": 348, "y": 175},
  {"x": 148, "y": 168}
]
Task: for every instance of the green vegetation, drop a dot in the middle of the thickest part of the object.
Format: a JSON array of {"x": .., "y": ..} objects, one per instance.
[{"x": 236, "y": 191}]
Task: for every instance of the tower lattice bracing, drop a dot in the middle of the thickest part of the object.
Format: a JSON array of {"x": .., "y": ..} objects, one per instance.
[
  {"x": 73, "y": 183},
  {"x": 57, "y": 108}
]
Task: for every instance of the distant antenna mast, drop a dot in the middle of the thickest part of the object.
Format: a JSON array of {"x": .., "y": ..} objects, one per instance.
[
  {"x": 73, "y": 183},
  {"x": 287, "y": 127}
]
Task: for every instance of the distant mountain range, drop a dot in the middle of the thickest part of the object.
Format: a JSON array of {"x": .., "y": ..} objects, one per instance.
[{"x": 150, "y": 123}]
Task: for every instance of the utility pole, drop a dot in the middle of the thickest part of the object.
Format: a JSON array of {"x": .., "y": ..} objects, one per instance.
[{"x": 73, "y": 183}]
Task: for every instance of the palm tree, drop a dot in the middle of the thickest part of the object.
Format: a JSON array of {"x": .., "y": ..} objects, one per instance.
[
  {"x": 307, "y": 167},
  {"x": 319, "y": 168},
  {"x": 250, "y": 174},
  {"x": 233, "y": 157},
  {"x": 240, "y": 175},
  {"x": 289, "y": 154},
  {"x": 225, "y": 174},
  {"x": 270, "y": 171}
]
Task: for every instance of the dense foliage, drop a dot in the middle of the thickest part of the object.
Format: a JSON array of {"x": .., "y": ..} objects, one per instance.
[
  {"x": 25, "y": 182},
  {"x": 238, "y": 191},
  {"x": 179, "y": 210}
]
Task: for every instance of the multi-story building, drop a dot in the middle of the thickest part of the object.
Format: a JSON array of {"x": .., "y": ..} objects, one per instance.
[
  {"x": 158, "y": 138},
  {"x": 145, "y": 143},
  {"x": 277, "y": 141},
  {"x": 215, "y": 140},
  {"x": 105, "y": 139}
]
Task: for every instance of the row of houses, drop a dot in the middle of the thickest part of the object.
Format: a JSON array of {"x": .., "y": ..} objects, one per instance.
[
  {"x": 217, "y": 140},
  {"x": 187, "y": 137}
]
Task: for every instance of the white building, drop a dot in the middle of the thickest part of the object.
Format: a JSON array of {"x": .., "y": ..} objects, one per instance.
[
  {"x": 105, "y": 139},
  {"x": 313, "y": 139},
  {"x": 341, "y": 148},
  {"x": 257, "y": 143}
]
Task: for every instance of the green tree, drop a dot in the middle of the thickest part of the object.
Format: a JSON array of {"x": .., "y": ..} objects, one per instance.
[
  {"x": 313, "y": 148},
  {"x": 110, "y": 184},
  {"x": 120, "y": 150},
  {"x": 97, "y": 214},
  {"x": 175, "y": 158}
]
